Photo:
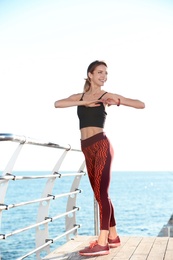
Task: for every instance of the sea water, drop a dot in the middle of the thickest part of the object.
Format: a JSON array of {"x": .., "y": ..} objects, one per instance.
[{"x": 142, "y": 203}]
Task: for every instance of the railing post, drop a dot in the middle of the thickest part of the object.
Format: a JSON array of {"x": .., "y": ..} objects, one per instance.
[
  {"x": 96, "y": 218},
  {"x": 43, "y": 209},
  {"x": 8, "y": 169},
  {"x": 71, "y": 203}
]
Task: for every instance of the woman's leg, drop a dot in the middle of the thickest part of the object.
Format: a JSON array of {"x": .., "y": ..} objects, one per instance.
[
  {"x": 107, "y": 219},
  {"x": 98, "y": 157}
]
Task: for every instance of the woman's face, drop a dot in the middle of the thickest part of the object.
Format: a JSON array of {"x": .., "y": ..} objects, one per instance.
[{"x": 99, "y": 75}]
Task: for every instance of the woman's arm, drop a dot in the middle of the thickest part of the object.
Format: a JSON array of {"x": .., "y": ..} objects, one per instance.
[
  {"x": 132, "y": 102},
  {"x": 115, "y": 99},
  {"x": 74, "y": 100},
  {"x": 71, "y": 101}
]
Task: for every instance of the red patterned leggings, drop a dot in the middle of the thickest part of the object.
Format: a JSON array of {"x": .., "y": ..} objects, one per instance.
[{"x": 98, "y": 154}]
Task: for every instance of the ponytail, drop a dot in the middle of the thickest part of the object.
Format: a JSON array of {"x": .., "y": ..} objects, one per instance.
[{"x": 87, "y": 85}]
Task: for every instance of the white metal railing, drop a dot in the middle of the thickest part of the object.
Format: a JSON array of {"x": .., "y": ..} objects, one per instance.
[{"x": 42, "y": 239}]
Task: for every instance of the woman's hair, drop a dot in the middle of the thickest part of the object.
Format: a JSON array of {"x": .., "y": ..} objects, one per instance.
[{"x": 91, "y": 69}]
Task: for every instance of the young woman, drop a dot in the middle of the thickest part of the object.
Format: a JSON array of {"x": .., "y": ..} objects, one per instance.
[{"x": 96, "y": 147}]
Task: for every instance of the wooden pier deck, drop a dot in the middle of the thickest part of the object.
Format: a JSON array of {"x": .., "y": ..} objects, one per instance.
[{"x": 132, "y": 248}]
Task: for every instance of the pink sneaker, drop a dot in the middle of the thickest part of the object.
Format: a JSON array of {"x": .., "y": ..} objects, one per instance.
[
  {"x": 114, "y": 242},
  {"x": 94, "y": 250}
]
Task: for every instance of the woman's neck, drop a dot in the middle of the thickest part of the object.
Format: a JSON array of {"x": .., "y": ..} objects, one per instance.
[{"x": 94, "y": 90}]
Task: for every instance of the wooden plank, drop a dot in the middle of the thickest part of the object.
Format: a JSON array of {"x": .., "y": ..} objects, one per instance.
[
  {"x": 132, "y": 248},
  {"x": 64, "y": 251},
  {"x": 143, "y": 249},
  {"x": 169, "y": 250},
  {"x": 158, "y": 249},
  {"x": 127, "y": 249},
  {"x": 70, "y": 250},
  {"x": 114, "y": 251}
]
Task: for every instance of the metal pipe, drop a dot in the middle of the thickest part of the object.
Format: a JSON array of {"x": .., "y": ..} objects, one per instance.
[
  {"x": 96, "y": 218},
  {"x": 27, "y": 140}
]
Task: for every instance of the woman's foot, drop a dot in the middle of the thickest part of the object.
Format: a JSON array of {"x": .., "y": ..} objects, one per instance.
[
  {"x": 114, "y": 242},
  {"x": 95, "y": 249}
]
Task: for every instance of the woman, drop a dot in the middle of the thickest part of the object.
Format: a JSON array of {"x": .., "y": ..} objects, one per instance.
[{"x": 97, "y": 149}]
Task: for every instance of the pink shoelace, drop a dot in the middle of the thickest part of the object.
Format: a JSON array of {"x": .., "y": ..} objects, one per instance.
[{"x": 93, "y": 243}]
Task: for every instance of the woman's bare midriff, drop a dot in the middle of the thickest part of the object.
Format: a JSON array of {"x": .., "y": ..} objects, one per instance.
[{"x": 90, "y": 131}]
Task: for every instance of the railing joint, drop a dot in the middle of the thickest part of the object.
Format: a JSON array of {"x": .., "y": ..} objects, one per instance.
[
  {"x": 5, "y": 205},
  {"x": 78, "y": 190},
  {"x": 50, "y": 195},
  {"x": 57, "y": 173},
  {"x": 51, "y": 219},
  {"x": 76, "y": 208},
  {"x": 77, "y": 225},
  {"x": 49, "y": 239},
  {"x": 3, "y": 236},
  {"x": 9, "y": 174},
  {"x": 68, "y": 149},
  {"x": 83, "y": 172}
]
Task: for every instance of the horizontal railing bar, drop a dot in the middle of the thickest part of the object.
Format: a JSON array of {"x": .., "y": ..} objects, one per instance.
[
  {"x": 72, "y": 174},
  {"x": 68, "y": 193},
  {"x": 35, "y": 250},
  {"x": 65, "y": 233},
  {"x": 25, "y": 229},
  {"x": 47, "y": 220},
  {"x": 49, "y": 241},
  {"x": 23, "y": 139},
  {"x": 50, "y": 197},
  {"x": 55, "y": 175},
  {"x": 10, "y": 206},
  {"x": 66, "y": 213},
  {"x": 17, "y": 178}
]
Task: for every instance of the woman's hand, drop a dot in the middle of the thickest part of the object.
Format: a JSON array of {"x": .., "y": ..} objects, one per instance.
[
  {"x": 93, "y": 103},
  {"x": 120, "y": 100},
  {"x": 109, "y": 101}
]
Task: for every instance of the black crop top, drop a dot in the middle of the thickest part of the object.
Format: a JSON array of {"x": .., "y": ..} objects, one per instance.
[{"x": 91, "y": 116}]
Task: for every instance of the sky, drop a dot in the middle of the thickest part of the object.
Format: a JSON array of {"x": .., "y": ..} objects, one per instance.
[{"x": 45, "y": 49}]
